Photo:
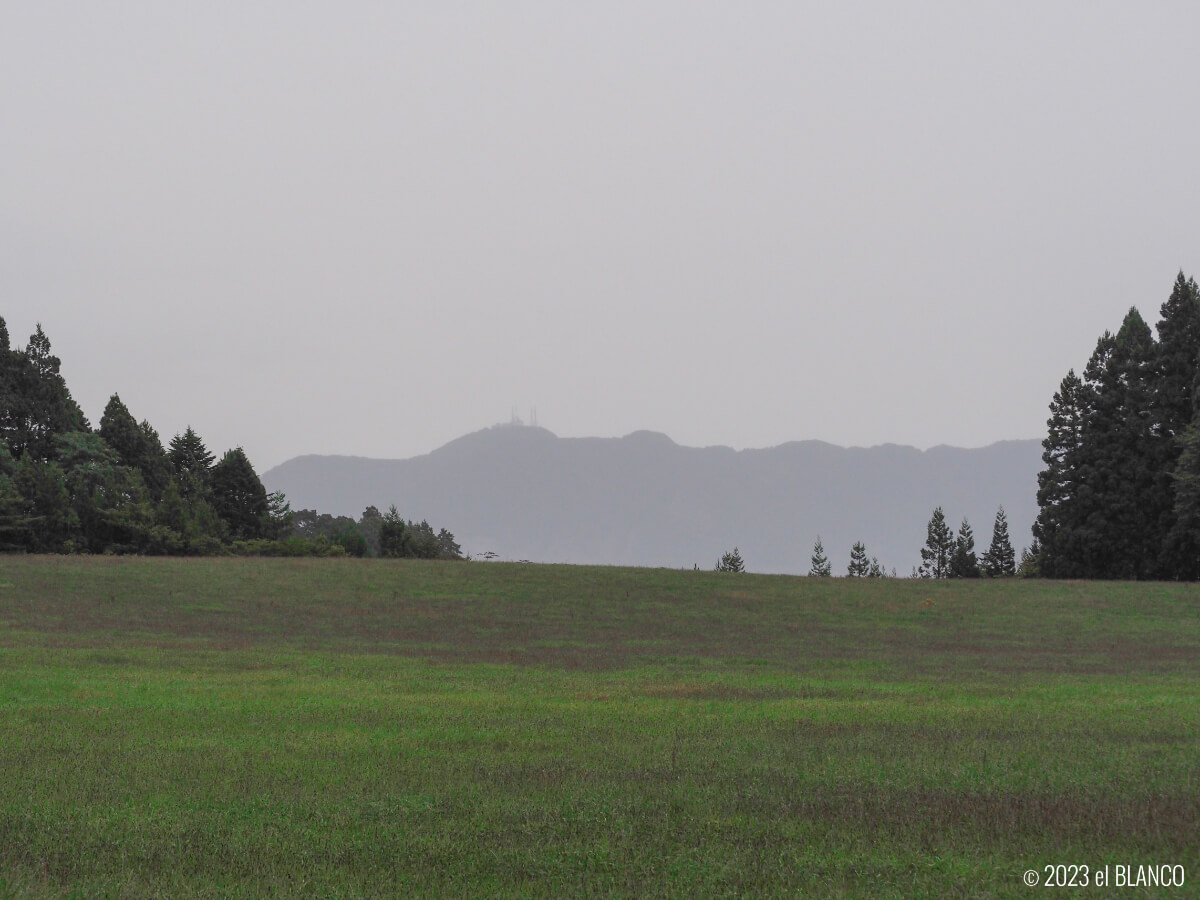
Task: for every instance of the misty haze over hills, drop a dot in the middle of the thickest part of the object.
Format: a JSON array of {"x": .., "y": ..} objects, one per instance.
[{"x": 525, "y": 493}]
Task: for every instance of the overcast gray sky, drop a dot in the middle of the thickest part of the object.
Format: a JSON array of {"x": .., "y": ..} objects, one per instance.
[{"x": 369, "y": 228}]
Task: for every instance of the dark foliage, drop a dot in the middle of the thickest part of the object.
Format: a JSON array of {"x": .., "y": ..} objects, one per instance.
[
  {"x": 35, "y": 404},
  {"x": 859, "y": 566},
  {"x": 938, "y": 552},
  {"x": 66, "y": 489},
  {"x": 191, "y": 463},
  {"x": 1118, "y": 495},
  {"x": 731, "y": 562},
  {"x": 368, "y": 526},
  {"x": 414, "y": 540},
  {"x": 999, "y": 561},
  {"x": 964, "y": 563},
  {"x": 819, "y": 565},
  {"x": 138, "y": 446}
]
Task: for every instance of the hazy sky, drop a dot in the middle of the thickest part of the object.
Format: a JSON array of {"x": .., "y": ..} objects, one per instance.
[{"x": 369, "y": 228}]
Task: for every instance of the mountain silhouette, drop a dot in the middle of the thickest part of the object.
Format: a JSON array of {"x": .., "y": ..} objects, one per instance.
[{"x": 524, "y": 493}]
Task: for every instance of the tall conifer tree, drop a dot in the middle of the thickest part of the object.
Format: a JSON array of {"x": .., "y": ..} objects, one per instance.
[
  {"x": 859, "y": 566},
  {"x": 238, "y": 496},
  {"x": 1126, "y": 504},
  {"x": 137, "y": 446},
  {"x": 1185, "y": 535},
  {"x": 1106, "y": 497},
  {"x": 819, "y": 565},
  {"x": 120, "y": 430},
  {"x": 393, "y": 534},
  {"x": 964, "y": 563},
  {"x": 939, "y": 547},
  {"x": 37, "y": 404},
  {"x": 191, "y": 462},
  {"x": 1000, "y": 561},
  {"x": 1178, "y": 357},
  {"x": 1174, "y": 407},
  {"x": 1058, "y": 483}
]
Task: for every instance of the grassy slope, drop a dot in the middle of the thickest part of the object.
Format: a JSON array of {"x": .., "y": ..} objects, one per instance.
[{"x": 348, "y": 728}]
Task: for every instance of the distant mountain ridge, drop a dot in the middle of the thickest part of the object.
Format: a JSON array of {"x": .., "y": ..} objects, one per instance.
[{"x": 642, "y": 499}]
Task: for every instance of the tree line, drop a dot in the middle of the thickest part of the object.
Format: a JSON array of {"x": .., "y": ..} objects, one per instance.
[
  {"x": 944, "y": 555},
  {"x": 1119, "y": 497},
  {"x": 68, "y": 488},
  {"x": 1120, "y": 493}
]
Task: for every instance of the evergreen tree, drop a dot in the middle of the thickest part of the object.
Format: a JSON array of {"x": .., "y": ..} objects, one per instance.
[
  {"x": 138, "y": 446},
  {"x": 108, "y": 499},
  {"x": 391, "y": 534},
  {"x": 820, "y": 566},
  {"x": 368, "y": 525},
  {"x": 1058, "y": 483},
  {"x": 1178, "y": 358},
  {"x": 55, "y": 412},
  {"x": 1125, "y": 499},
  {"x": 999, "y": 561},
  {"x": 47, "y": 509},
  {"x": 420, "y": 540},
  {"x": 876, "y": 570},
  {"x": 859, "y": 567},
  {"x": 1174, "y": 407},
  {"x": 1184, "y": 539},
  {"x": 154, "y": 465},
  {"x": 731, "y": 562},
  {"x": 10, "y": 364},
  {"x": 1106, "y": 495},
  {"x": 939, "y": 547},
  {"x": 964, "y": 563},
  {"x": 171, "y": 516},
  {"x": 200, "y": 530},
  {"x": 448, "y": 546},
  {"x": 37, "y": 404},
  {"x": 120, "y": 431},
  {"x": 1031, "y": 561},
  {"x": 14, "y": 521},
  {"x": 279, "y": 517},
  {"x": 39, "y": 353},
  {"x": 190, "y": 460},
  {"x": 413, "y": 540},
  {"x": 238, "y": 496}
]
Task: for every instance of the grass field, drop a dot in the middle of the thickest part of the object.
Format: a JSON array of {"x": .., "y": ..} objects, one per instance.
[{"x": 346, "y": 728}]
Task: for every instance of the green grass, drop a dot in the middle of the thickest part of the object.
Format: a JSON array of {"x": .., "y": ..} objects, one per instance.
[{"x": 356, "y": 728}]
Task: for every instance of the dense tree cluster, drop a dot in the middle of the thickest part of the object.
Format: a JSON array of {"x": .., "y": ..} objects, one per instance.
[
  {"x": 400, "y": 538},
  {"x": 65, "y": 487},
  {"x": 1120, "y": 494},
  {"x": 946, "y": 555}
]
